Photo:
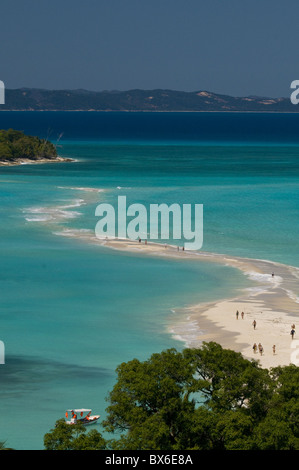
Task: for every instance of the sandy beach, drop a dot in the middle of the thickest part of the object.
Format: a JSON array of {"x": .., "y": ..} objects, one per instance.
[
  {"x": 271, "y": 304},
  {"x": 218, "y": 322}
]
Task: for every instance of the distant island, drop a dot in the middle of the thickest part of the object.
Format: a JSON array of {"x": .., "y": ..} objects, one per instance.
[
  {"x": 16, "y": 148},
  {"x": 31, "y": 99}
]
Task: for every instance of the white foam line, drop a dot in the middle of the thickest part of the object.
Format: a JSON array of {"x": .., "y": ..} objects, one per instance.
[
  {"x": 47, "y": 214},
  {"x": 81, "y": 188}
]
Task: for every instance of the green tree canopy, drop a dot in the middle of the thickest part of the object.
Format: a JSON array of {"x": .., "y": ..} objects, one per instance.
[
  {"x": 15, "y": 144},
  {"x": 208, "y": 398},
  {"x": 73, "y": 437}
]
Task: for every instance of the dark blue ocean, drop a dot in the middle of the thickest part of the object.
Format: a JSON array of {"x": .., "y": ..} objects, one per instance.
[{"x": 70, "y": 310}]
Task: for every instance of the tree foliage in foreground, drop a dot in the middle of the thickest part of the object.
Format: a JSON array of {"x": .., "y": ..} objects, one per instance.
[
  {"x": 73, "y": 437},
  {"x": 206, "y": 399}
]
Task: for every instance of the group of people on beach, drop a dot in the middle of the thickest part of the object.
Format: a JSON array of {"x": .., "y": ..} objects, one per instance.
[
  {"x": 165, "y": 246},
  {"x": 259, "y": 347},
  {"x": 237, "y": 315}
]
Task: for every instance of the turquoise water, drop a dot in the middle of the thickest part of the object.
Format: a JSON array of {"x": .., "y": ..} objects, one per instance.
[{"x": 72, "y": 311}]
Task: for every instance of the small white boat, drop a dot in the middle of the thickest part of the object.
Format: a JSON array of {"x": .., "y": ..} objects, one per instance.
[{"x": 80, "y": 415}]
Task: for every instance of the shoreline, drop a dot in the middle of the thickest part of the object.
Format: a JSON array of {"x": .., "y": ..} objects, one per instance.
[
  {"x": 271, "y": 304},
  {"x": 28, "y": 161},
  {"x": 218, "y": 322}
]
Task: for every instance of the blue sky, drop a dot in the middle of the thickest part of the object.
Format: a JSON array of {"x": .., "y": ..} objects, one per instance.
[{"x": 236, "y": 47}]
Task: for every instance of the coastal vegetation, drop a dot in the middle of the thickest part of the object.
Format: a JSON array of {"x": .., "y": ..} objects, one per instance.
[
  {"x": 15, "y": 145},
  {"x": 202, "y": 399}
]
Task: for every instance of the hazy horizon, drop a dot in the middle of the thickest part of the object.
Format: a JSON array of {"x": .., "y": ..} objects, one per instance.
[{"x": 232, "y": 48}]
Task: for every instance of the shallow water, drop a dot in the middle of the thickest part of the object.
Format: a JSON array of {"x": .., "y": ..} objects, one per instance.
[{"x": 71, "y": 311}]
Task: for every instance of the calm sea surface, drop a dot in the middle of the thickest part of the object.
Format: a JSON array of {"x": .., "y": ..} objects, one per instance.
[{"x": 71, "y": 311}]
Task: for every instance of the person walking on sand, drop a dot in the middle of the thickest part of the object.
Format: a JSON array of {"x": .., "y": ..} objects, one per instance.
[
  {"x": 261, "y": 349},
  {"x": 274, "y": 349},
  {"x": 237, "y": 314},
  {"x": 292, "y": 333},
  {"x": 254, "y": 347},
  {"x": 242, "y": 315},
  {"x": 254, "y": 324}
]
